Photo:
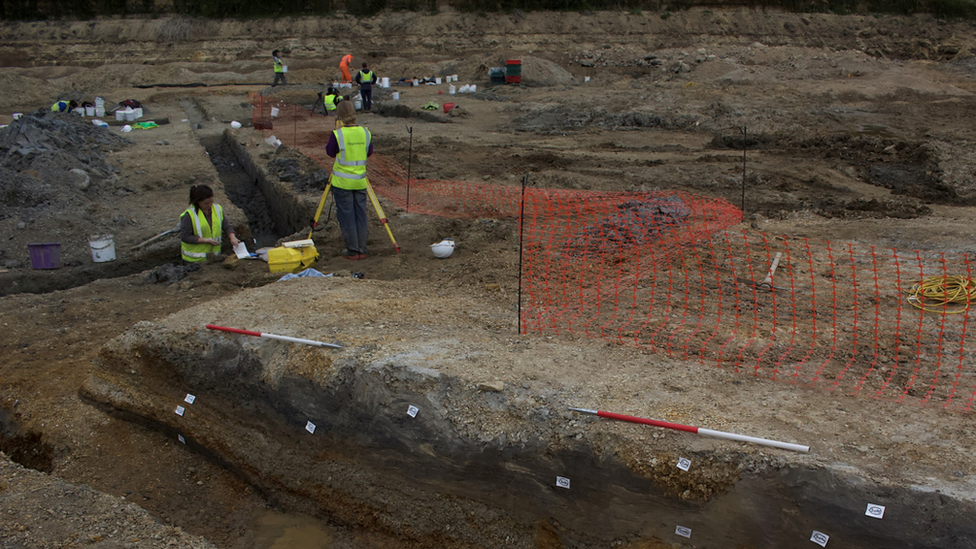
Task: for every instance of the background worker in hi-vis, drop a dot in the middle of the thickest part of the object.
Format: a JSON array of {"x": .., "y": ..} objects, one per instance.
[
  {"x": 365, "y": 79},
  {"x": 279, "y": 70}
]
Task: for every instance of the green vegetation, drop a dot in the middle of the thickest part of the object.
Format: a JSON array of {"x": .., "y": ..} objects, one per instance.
[{"x": 85, "y": 9}]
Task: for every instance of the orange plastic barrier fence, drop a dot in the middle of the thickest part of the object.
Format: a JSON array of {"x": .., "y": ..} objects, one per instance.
[{"x": 662, "y": 271}]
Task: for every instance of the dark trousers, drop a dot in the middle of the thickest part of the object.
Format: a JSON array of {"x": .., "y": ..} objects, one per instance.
[
  {"x": 367, "y": 96},
  {"x": 279, "y": 76},
  {"x": 351, "y": 215}
]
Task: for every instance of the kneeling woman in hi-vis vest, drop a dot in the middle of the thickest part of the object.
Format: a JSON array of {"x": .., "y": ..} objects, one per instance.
[
  {"x": 350, "y": 145},
  {"x": 202, "y": 224}
]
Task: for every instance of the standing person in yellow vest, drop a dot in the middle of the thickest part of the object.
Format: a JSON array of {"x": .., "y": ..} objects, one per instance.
[
  {"x": 365, "y": 79},
  {"x": 202, "y": 224},
  {"x": 279, "y": 69},
  {"x": 350, "y": 145}
]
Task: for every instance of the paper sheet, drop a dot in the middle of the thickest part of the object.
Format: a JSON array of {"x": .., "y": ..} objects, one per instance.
[{"x": 241, "y": 251}]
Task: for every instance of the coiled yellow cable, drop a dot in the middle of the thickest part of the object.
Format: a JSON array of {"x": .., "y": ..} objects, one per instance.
[{"x": 943, "y": 294}]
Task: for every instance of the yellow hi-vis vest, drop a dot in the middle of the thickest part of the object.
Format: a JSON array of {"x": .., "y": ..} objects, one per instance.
[
  {"x": 198, "y": 252},
  {"x": 277, "y": 65},
  {"x": 366, "y": 77},
  {"x": 349, "y": 169},
  {"x": 60, "y": 106},
  {"x": 330, "y": 102}
]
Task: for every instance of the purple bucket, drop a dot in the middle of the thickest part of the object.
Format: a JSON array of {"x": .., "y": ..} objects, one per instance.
[{"x": 45, "y": 256}]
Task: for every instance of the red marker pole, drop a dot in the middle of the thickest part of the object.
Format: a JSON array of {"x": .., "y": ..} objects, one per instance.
[
  {"x": 696, "y": 430},
  {"x": 273, "y": 336}
]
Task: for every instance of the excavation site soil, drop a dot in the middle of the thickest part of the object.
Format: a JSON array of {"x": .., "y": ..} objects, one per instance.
[{"x": 127, "y": 423}]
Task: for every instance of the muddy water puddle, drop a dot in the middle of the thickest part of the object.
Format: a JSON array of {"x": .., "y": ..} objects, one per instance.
[
  {"x": 275, "y": 530},
  {"x": 280, "y": 530}
]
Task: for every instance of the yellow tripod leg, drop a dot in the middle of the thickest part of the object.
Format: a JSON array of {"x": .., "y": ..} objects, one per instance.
[
  {"x": 318, "y": 212},
  {"x": 382, "y": 216}
]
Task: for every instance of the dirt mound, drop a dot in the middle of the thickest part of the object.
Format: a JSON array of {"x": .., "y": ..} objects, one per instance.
[
  {"x": 51, "y": 168},
  {"x": 540, "y": 72}
]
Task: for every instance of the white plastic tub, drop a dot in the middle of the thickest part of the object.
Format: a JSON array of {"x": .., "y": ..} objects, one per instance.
[{"x": 102, "y": 248}]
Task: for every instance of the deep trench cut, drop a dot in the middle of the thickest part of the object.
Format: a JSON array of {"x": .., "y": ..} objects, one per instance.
[
  {"x": 272, "y": 211},
  {"x": 472, "y": 468}
]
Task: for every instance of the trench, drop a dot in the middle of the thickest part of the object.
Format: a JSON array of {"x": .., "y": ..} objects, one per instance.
[
  {"x": 244, "y": 192},
  {"x": 26, "y": 448},
  {"x": 417, "y": 479}
]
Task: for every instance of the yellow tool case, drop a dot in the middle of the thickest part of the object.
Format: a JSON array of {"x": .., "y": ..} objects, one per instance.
[{"x": 286, "y": 259}]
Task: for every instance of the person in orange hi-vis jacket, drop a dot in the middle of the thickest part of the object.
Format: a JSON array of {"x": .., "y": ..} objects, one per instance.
[{"x": 344, "y": 67}]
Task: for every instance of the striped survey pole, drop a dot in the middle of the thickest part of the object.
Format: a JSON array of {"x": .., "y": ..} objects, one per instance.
[
  {"x": 696, "y": 430},
  {"x": 273, "y": 336}
]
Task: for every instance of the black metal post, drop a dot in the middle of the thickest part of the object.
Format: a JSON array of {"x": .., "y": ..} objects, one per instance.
[
  {"x": 525, "y": 181},
  {"x": 745, "y": 135},
  {"x": 409, "y": 160}
]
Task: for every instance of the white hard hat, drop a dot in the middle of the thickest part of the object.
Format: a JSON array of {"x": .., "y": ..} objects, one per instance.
[
  {"x": 235, "y": 124},
  {"x": 443, "y": 249}
]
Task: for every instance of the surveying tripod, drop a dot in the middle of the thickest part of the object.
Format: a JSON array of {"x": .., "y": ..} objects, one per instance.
[
  {"x": 376, "y": 206},
  {"x": 372, "y": 198}
]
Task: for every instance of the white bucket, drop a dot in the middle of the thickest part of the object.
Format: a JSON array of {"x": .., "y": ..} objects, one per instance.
[
  {"x": 385, "y": 82},
  {"x": 89, "y": 111},
  {"x": 100, "y": 111},
  {"x": 120, "y": 115},
  {"x": 454, "y": 77},
  {"x": 102, "y": 248},
  {"x": 274, "y": 112},
  {"x": 451, "y": 89},
  {"x": 284, "y": 68},
  {"x": 416, "y": 82},
  {"x": 138, "y": 112},
  {"x": 359, "y": 104},
  {"x": 473, "y": 88},
  {"x": 129, "y": 114},
  {"x": 437, "y": 80},
  {"x": 396, "y": 96}
]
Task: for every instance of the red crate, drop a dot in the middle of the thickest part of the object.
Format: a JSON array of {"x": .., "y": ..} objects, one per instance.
[{"x": 513, "y": 79}]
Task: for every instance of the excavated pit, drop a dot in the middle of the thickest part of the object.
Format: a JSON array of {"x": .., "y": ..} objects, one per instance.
[{"x": 476, "y": 465}]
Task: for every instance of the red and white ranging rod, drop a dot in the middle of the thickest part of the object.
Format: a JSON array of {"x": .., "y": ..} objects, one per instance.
[
  {"x": 696, "y": 430},
  {"x": 273, "y": 336}
]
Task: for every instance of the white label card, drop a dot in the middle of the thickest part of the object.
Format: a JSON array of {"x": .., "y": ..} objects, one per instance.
[
  {"x": 412, "y": 410},
  {"x": 819, "y": 538},
  {"x": 875, "y": 511},
  {"x": 189, "y": 398},
  {"x": 310, "y": 427},
  {"x": 181, "y": 439},
  {"x": 562, "y": 482},
  {"x": 684, "y": 463},
  {"x": 682, "y": 531},
  {"x": 180, "y": 410}
]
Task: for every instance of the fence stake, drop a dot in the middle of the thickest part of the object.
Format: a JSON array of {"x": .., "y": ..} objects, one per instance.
[
  {"x": 745, "y": 136},
  {"x": 525, "y": 181},
  {"x": 409, "y": 160}
]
